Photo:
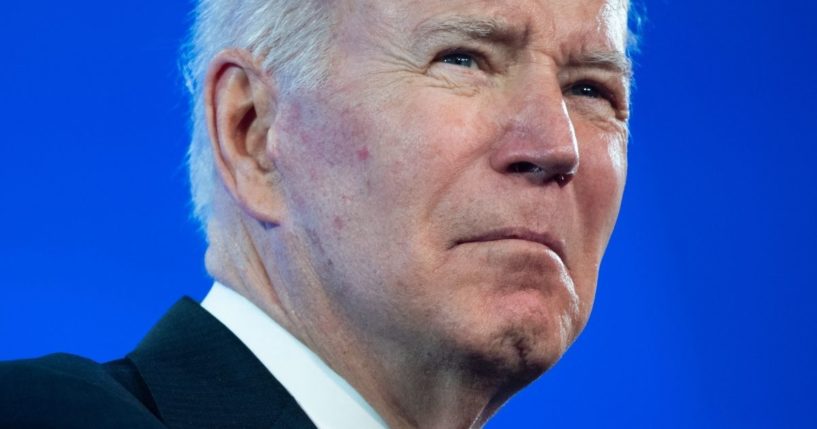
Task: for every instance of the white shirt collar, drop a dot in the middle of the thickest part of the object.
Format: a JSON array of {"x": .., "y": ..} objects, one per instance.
[{"x": 328, "y": 400}]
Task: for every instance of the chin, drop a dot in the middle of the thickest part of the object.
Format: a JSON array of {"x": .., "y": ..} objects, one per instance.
[{"x": 523, "y": 341}]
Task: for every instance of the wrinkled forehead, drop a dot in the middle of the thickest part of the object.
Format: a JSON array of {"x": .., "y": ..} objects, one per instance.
[{"x": 594, "y": 22}]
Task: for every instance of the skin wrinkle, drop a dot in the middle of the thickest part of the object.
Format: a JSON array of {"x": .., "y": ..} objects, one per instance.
[{"x": 450, "y": 29}]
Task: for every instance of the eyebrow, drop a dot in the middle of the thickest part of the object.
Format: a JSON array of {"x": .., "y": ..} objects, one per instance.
[
  {"x": 469, "y": 27},
  {"x": 612, "y": 61}
]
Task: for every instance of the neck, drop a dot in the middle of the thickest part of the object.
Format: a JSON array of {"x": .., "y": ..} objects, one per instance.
[
  {"x": 428, "y": 388},
  {"x": 232, "y": 260},
  {"x": 412, "y": 398}
]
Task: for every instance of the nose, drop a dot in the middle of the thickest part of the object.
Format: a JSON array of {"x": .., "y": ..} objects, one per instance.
[{"x": 538, "y": 142}]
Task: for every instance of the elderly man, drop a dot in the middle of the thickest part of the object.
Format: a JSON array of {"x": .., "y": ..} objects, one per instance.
[{"x": 406, "y": 205}]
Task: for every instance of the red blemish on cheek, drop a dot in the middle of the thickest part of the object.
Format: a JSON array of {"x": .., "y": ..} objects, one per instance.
[
  {"x": 363, "y": 154},
  {"x": 338, "y": 223}
]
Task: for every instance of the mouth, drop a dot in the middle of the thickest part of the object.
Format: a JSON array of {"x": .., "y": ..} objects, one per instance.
[{"x": 523, "y": 234}]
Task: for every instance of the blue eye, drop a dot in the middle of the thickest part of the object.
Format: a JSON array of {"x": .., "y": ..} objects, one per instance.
[
  {"x": 459, "y": 59},
  {"x": 587, "y": 90}
]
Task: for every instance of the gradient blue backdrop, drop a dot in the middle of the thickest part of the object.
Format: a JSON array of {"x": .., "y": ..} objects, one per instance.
[{"x": 705, "y": 310}]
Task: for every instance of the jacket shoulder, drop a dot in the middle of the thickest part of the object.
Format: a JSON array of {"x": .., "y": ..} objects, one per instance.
[{"x": 67, "y": 391}]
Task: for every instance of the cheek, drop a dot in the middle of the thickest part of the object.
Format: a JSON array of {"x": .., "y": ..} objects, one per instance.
[
  {"x": 322, "y": 156},
  {"x": 600, "y": 186},
  {"x": 311, "y": 133},
  {"x": 431, "y": 139},
  {"x": 321, "y": 153}
]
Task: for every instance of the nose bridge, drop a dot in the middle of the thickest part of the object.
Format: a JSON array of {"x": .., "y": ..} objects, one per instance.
[
  {"x": 540, "y": 139},
  {"x": 542, "y": 109}
]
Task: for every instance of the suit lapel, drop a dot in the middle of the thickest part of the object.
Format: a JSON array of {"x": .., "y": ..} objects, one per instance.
[{"x": 201, "y": 376}]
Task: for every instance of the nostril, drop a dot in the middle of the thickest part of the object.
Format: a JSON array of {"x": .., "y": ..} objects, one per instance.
[
  {"x": 537, "y": 174},
  {"x": 524, "y": 168},
  {"x": 563, "y": 179}
]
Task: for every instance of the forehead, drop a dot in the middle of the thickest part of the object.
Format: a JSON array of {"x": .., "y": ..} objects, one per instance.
[{"x": 590, "y": 24}]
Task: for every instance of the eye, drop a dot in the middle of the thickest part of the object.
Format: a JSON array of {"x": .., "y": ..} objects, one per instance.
[
  {"x": 599, "y": 98},
  {"x": 586, "y": 89},
  {"x": 461, "y": 59}
]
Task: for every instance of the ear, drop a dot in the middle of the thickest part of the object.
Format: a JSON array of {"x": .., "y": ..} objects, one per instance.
[{"x": 240, "y": 104}]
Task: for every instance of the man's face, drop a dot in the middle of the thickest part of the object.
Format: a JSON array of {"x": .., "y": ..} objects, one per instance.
[{"x": 453, "y": 186}]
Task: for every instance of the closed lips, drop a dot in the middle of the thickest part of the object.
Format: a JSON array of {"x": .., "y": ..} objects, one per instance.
[{"x": 525, "y": 234}]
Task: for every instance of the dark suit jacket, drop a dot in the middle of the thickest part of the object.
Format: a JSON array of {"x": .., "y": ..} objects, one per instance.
[{"x": 190, "y": 371}]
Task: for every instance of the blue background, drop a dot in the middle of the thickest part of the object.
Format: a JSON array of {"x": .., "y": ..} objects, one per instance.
[{"x": 705, "y": 311}]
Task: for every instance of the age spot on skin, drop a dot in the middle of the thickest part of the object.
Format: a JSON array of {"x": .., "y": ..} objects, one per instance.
[
  {"x": 363, "y": 154},
  {"x": 338, "y": 223}
]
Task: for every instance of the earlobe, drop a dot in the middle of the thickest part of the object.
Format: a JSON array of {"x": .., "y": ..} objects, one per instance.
[{"x": 240, "y": 105}]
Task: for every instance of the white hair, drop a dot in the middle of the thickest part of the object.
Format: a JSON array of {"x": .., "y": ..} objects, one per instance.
[{"x": 289, "y": 38}]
